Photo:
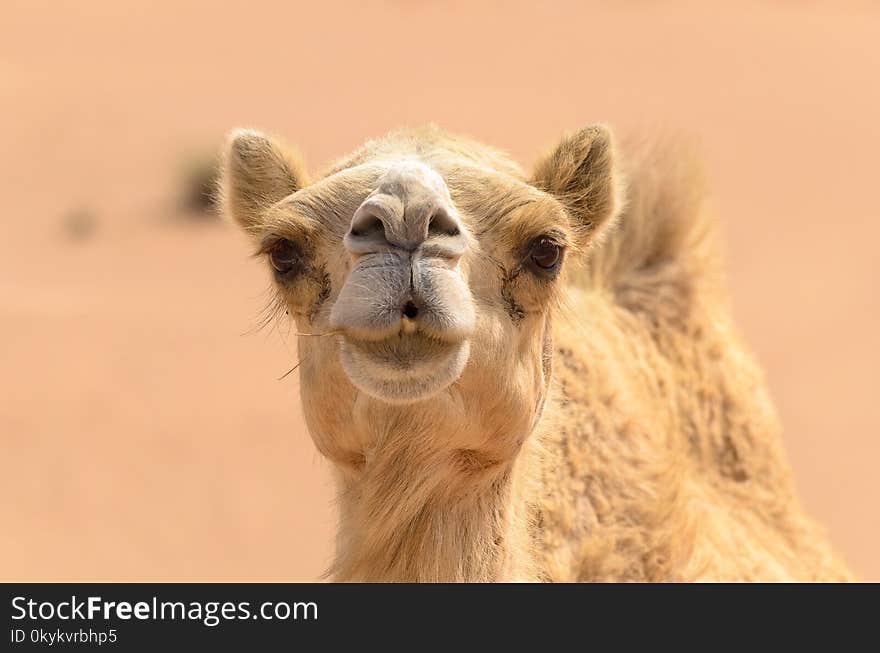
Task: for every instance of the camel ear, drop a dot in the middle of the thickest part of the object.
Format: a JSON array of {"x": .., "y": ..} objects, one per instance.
[
  {"x": 581, "y": 174},
  {"x": 256, "y": 173}
]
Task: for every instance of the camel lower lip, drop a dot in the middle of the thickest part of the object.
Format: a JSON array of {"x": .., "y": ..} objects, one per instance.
[
  {"x": 403, "y": 353},
  {"x": 403, "y": 368}
]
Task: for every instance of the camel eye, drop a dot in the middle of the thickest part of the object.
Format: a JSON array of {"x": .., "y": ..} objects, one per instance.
[
  {"x": 285, "y": 257},
  {"x": 545, "y": 255}
]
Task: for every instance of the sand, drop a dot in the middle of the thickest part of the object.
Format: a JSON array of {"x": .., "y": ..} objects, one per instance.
[{"x": 143, "y": 432}]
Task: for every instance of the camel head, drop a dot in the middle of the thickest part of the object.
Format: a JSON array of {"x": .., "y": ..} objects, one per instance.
[{"x": 421, "y": 273}]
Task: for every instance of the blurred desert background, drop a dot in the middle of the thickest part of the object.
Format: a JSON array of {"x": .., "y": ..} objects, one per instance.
[{"x": 144, "y": 434}]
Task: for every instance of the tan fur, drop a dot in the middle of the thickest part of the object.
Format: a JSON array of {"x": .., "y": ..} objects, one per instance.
[{"x": 650, "y": 453}]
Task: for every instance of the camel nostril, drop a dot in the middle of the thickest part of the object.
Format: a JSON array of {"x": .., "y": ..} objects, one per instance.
[
  {"x": 410, "y": 310},
  {"x": 443, "y": 224},
  {"x": 367, "y": 225}
]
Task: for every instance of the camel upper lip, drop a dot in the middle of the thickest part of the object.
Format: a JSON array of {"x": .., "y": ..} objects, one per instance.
[{"x": 401, "y": 332}]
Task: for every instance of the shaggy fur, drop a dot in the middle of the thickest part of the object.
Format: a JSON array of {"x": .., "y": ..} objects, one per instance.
[{"x": 609, "y": 424}]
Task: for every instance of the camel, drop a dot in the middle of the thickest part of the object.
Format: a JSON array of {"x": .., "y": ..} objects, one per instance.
[{"x": 524, "y": 377}]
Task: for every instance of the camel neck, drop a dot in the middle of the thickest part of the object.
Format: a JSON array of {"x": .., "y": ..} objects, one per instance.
[{"x": 439, "y": 516}]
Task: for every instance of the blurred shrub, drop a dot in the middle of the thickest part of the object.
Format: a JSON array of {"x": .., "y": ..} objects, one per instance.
[
  {"x": 80, "y": 224},
  {"x": 199, "y": 176}
]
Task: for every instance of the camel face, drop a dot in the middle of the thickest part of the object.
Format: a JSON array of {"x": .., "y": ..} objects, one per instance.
[{"x": 421, "y": 272}]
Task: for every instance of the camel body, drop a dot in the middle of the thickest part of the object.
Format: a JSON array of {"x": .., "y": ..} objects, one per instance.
[{"x": 601, "y": 424}]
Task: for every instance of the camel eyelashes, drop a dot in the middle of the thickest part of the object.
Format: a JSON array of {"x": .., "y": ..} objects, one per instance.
[{"x": 544, "y": 256}]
